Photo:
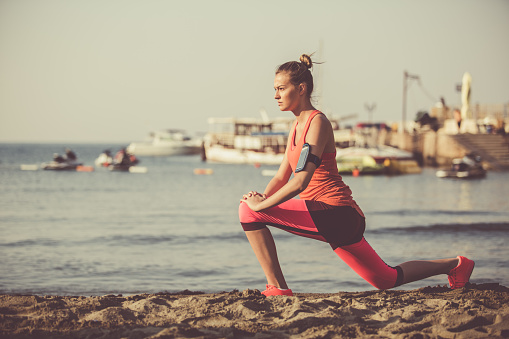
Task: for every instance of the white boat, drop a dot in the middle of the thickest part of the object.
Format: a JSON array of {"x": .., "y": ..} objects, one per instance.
[
  {"x": 379, "y": 153},
  {"x": 166, "y": 142},
  {"x": 395, "y": 160},
  {"x": 246, "y": 141}
]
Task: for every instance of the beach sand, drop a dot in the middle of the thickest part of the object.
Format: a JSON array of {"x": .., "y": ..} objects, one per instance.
[{"x": 476, "y": 311}]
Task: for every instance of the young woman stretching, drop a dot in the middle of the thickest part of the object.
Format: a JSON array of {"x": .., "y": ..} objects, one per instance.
[{"x": 325, "y": 210}]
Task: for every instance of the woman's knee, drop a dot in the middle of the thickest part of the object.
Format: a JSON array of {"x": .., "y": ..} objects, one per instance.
[
  {"x": 381, "y": 284},
  {"x": 249, "y": 219},
  {"x": 245, "y": 213},
  {"x": 366, "y": 263}
]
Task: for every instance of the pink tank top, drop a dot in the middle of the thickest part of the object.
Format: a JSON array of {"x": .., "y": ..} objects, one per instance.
[{"x": 326, "y": 185}]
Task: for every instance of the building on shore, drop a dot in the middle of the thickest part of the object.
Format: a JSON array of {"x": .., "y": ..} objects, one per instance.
[{"x": 443, "y": 136}]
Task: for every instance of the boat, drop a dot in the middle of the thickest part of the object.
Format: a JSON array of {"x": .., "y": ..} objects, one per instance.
[
  {"x": 246, "y": 141},
  {"x": 365, "y": 151},
  {"x": 394, "y": 160},
  {"x": 166, "y": 142},
  {"x": 67, "y": 162},
  {"x": 365, "y": 165},
  {"x": 123, "y": 161},
  {"x": 61, "y": 166},
  {"x": 468, "y": 167},
  {"x": 119, "y": 168}
]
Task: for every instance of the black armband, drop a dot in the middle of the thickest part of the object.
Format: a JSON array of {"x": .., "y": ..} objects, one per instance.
[{"x": 305, "y": 157}]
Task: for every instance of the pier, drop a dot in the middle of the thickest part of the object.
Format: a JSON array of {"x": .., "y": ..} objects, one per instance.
[
  {"x": 437, "y": 149},
  {"x": 437, "y": 138}
]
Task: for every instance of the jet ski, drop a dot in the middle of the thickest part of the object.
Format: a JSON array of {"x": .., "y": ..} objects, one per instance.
[
  {"x": 61, "y": 163},
  {"x": 119, "y": 167},
  {"x": 123, "y": 161}
]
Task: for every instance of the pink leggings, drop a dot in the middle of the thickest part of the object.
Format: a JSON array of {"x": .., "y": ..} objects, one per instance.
[{"x": 340, "y": 226}]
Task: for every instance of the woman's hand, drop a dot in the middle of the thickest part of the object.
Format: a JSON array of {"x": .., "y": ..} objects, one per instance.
[
  {"x": 253, "y": 200},
  {"x": 252, "y": 193}
]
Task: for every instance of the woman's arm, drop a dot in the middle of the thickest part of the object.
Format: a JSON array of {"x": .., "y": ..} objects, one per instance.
[
  {"x": 280, "y": 179},
  {"x": 318, "y": 137},
  {"x": 284, "y": 172}
]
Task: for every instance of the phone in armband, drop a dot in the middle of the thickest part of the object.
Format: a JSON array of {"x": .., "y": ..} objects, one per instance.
[{"x": 305, "y": 156}]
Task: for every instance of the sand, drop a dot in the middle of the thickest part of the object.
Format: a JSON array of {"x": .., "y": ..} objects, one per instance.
[{"x": 476, "y": 311}]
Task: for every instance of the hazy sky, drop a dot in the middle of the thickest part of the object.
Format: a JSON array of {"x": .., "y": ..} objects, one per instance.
[{"x": 114, "y": 70}]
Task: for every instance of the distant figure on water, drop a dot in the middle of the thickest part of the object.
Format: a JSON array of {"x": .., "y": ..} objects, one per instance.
[
  {"x": 325, "y": 209},
  {"x": 124, "y": 158},
  {"x": 58, "y": 158},
  {"x": 70, "y": 156}
]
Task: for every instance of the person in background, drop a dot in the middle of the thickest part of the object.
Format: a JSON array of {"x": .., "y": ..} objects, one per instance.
[
  {"x": 326, "y": 210},
  {"x": 70, "y": 156},
  {"x": 457, "y": 117},
  {"x": 58, "y": 158},
  {"x": 122, "y": 158}
]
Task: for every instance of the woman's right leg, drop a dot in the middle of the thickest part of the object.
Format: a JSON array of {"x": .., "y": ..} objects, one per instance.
[
  {"x": 292, "y": 216},
  {"x": 264, "y": 248}
]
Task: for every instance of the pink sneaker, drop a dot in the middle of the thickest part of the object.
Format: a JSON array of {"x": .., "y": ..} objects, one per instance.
[
  {"x": 460, "y": 275},
  {"x": 273, "y": 290}
]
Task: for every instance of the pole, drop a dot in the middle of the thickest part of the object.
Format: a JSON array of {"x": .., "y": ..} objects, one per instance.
[
  {"x": 406, "y": 76},
  {"x": 403, "y": 118},
  {"x": 370, "y": 109}
]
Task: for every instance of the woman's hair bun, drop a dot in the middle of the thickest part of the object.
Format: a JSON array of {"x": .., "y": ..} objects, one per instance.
[{"x": 306, "y": 60}]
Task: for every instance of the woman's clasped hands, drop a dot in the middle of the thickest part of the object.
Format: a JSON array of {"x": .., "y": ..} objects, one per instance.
[{"x": 253, "y": 199}]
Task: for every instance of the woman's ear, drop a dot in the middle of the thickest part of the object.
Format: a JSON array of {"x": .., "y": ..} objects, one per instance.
[{"x": 302, "y": 88}]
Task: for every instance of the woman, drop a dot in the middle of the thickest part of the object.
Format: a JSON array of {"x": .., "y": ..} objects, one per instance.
[{"x": 326, "y": 210}]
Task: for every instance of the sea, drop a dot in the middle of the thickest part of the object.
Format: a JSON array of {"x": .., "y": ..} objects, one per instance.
[{"x": 169, "y": 230}]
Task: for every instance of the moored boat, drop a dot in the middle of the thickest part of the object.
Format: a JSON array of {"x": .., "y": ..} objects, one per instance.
[
  {"x": 246, "y": 141},
  {"x": 395, "y": 161},
  {"x": 468, "y": 167},
  {"x": 356, "y": 165},
  {"x": 165, "y": 143}
]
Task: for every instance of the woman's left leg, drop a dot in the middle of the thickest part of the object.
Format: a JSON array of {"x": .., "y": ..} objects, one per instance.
[
  {"x": 420, "y": 269},
  {"x": 363, "y": 259}
]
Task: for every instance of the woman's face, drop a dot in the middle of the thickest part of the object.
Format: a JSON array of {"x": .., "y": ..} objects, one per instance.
[{"x": 287, "y": 95}]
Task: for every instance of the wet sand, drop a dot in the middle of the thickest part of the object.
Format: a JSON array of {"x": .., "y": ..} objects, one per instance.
[{"x": 476, "y": 311}]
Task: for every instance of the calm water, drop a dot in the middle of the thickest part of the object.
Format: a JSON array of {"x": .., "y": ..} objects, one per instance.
[{"x": 170, "y": 230}]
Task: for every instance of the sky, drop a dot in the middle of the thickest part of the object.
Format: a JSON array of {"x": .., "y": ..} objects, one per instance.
[{"x": 111, "y": 71}]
